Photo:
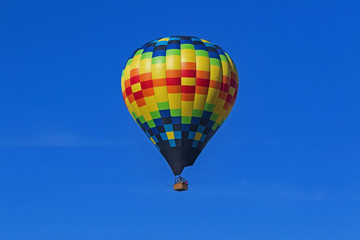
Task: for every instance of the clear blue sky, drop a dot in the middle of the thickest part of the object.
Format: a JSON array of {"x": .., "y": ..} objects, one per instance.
[{"x": 285, "y": 165}]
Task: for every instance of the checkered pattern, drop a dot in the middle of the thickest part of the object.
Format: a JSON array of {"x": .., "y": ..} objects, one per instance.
[{"x": 179, "y": 90}]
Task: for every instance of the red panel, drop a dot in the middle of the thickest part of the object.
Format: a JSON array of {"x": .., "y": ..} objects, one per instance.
[
  {"x": 188, "y": 89},
  {"x": 202, "y": 82},
  {"x": 128, "y": 91},
  {"x": 138, "y": 95},
  {"x": 188, "y": 73},
  {"x": 146, "y": 84},
  {"x": 173, "y": 81},
  {"x": 134, "y": 79}
]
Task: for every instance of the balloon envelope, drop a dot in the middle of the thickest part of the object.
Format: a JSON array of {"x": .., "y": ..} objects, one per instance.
[{"x": 179, "y": 90}]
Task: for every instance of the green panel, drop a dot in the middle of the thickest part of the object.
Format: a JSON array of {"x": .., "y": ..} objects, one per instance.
[
  {"x": 129, "y": 62},
  {"x": 142, "y": 119},
  {"x": 187, "y": 46},
  {"x": 213, "y": 117},
  {"x": 175, "y": 112},
  {"x": 214, "y": 126},
  {"x": 138, "y": 52},
  {"x": 209, "y": 107},
  {"x": 223, "y": 58},
  {"x": 173, "y": 52},
  {"x": 151, "y": 124},
  {"x": 160, "y": 59},
  {"x": 163, "y": 106},
  {"x": 201, "y": 53},
  {"x": 146, "y": 55},
  {"x": 155, "y": 115},
  {"x": 134, "y": 115},
  {"x": 215, "y": 61},
  {"x": 197, "y": 113},
  {"x": 186, "y": 120}
]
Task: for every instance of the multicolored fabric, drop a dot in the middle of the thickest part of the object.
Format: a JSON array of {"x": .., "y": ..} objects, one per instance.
[{"x": 179, "y": 90}]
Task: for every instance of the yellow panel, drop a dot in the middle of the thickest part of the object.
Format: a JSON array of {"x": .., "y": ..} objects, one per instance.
[
  {"x": 145, "y": 111},
  {"x": 151, "y": 103},
  {"x": 173, "y": 62},
  {"x": 145, "y": 65},
  {"x": 232, "y": 91},
  {"x": 175, "y": 101},
  {"x": 216, "y": 73},
  {"x": 186, "y": 108},
  {"x": 188, "y": 81},
  {"x": 198, "y": 136},
  {"x": 188, "y": 55},
  {"x": 158, "y": 71},
  {"x": 161, "y": 94},
  {"x": 212, "y": 96},
  {"x": 202, "y": 63},
  {"x": 135, "y": 61},
  {"x": 199, "y": 101},
  {"x": 136, "y": 87},
  {"x": 170, "y": 135},
  {"x": 219, "y": 105}
]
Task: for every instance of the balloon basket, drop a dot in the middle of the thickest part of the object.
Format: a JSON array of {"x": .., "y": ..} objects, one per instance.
[{"x": 180, "y": 187}]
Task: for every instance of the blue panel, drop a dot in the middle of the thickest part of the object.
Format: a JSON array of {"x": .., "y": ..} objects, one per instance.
[
  {"x": 203, "y": 137},
  {"x": 176, "y": 120},
  {"x": 165, "y": 113},
  {"x": 195, "y": 120},
  {"x": 185, "y": 127},
  {"x": 155, "y": 131},
  {"x": 177, "y": 134},
  {"x": 159, "y": 53},
  {"x": 200, "y": 47},
  {"x": 148, "y": 49},
  {"x": 206, "y": 115},
  {"x": 192, "y": 135},
  {"x": 168, "y": 127},
  {"x": 201, "y": 128},
  {"x": 155, "y": 139},
  {"x": 211, "y": 133},
  {"x": 158, "y": 122},
  {"x": 210, "y": 124},
  {"x": 214, "y": 55},
  {"x": 220, "y": 51},
  {"x": 195, "y": 144},
  {"x": 163, "y": 136},
  {"x": 173, "y": 46},
  {"x": 172, "y": 143},
  {"x": 185, "y": 41},
  {"x": 146, "y": 126}
]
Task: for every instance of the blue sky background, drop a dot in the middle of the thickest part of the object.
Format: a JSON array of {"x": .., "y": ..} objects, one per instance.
[{"x": 285, "y": 165}]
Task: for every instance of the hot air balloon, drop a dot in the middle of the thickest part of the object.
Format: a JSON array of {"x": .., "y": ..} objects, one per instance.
[{"x": 179, "y": 90}]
